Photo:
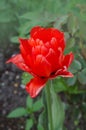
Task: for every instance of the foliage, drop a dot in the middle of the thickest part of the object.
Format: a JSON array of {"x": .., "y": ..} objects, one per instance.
[
  {"x": 29, "y": 110},
  {"x": 57, "y": 106},
  {"x": 23, "y": 15},
  {"x": 17, "y": 17},
  {"x": 17, "y": 112}
]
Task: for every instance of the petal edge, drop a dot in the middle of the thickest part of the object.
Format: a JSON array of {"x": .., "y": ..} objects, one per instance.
[
  {"x": 19, "y": 62},
  {"x": 35, "y": 86}
]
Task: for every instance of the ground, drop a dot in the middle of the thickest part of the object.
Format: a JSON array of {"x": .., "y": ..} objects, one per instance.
[{"x": 12, "y": 95}]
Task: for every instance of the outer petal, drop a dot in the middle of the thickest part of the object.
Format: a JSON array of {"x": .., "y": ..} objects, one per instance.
[
  {"x": 35, "y": 86},
  {"x": 26, "y": 51},
  {"x": 24, "y": 46},
  {"x": 19, "y": 62},
  {"x": 68, "y": 59},
  {"x": 56, "y": 33},
  {"x": 62, "y": 43},
  {"x": 66, "y": 74},
  {"x": 41, "y": 33},
  {"x": 62, "y": 72},
  {"x": 34, "y": 30}
]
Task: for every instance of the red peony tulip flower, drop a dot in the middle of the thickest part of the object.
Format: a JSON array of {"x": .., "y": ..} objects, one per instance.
[{"x": 42, "y": 56}]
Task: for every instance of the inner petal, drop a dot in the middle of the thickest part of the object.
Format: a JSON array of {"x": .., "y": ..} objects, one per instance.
[
  {"x": 54, "y": 59},
  {"x": 41, "y": 66}
]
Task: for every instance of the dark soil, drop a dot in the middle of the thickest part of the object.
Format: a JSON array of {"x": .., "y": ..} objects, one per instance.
[
  {"x": 12, "y": 124},
  {"x": 12, "y": 95}
]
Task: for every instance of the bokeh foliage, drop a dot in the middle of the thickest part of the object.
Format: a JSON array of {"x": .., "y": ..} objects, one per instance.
[{"x": 18, "y": 16}]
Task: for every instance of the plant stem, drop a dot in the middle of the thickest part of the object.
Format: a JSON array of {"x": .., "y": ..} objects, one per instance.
[{"x": 49, "y": 105}]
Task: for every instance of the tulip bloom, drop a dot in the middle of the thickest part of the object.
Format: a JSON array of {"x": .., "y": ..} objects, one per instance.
[{"x": 42, "y": 56}]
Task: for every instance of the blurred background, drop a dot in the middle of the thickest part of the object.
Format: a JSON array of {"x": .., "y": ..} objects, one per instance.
[{"x": 17, "y": 17}]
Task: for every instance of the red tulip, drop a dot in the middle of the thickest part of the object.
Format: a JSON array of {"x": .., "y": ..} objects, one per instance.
[{"x": 42, "y": 56}]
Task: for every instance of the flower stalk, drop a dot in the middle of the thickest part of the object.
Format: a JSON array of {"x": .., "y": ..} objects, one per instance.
[{"x": 49, "y": 105}]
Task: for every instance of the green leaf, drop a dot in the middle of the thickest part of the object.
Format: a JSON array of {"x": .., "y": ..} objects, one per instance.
[
  {"x": 43, "y": 118},
  {"x": 60, "y": 21},
  {"x": 29, "y": 102},
  {"x": 82, "y": 76},
  {"x": 18, "y": 112},
  {"x": 75, "y": 90},
  {"x": 72, "y": 24},
  {"x": 43, "y": 121},
  {"x": 70, "y": 43},
  {"x": 57, "y": 111},
  {"x": 71, "y": 81},
  {"x": 40, "y": 127},
  {"x": 25, "y": 28},
  {"x": 59, "y": 86},
  {"x": 26, "y": 78},
  {"x": 29, "y": 124},
  {"x": 37, "y": 105},
  {"x": 14, "y": 39},
  {"x": 30, "y": 15},
  {"x": 67, "y": 36},
  {"x": 75, "y": 67}
]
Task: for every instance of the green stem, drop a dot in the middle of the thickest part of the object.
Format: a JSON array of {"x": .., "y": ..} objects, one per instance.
[{"x": 49, "y": 105}]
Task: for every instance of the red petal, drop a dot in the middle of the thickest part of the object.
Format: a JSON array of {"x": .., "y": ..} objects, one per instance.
[
  {"x": 62, "y": 43},
  {"x": 68, "y": 59},
  {"x": 41, "y": 33},
  {"x": 54, "y": 58},
  {"x": 55, "y": 32},
  {"x": 59, "y": 36},
  {"x": 35, "y": 86},
  {"x": 41, "y": 66},
  {"x": 54, "y": 44},
  {"x": 26, "y": 51},
  {"x": 46, "y": 34},
  {"x": 19, "y": 62},
  {"x": 62, "y": 72},
  {"x": 24, "y": 46},
  {"x": 34, "y": 30},
  {"x": 66, "y": 74},
  {"x": 39, "y": 49}
]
